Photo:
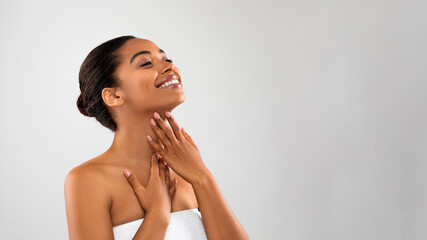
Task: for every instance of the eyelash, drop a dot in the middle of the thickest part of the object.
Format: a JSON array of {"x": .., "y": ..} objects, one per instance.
[{"x": 167, "y": 60}]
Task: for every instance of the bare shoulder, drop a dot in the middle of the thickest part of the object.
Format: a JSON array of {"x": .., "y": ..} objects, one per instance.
[
  {"x": 87, "y": 202},
  {"x": 88, "y": 178},
  {"x": 88, "y": 175}
]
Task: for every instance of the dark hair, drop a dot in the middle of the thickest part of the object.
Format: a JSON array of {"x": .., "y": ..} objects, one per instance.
[{"x": 96, "y": 73}]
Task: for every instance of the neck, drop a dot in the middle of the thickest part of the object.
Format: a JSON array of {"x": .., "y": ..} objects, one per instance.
[{"x": 130, "y": 146}]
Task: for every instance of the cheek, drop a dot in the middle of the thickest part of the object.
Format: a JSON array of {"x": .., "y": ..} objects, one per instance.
[
  {"x": 142, "y": 85},
  {"x": 178, "y": 71}
]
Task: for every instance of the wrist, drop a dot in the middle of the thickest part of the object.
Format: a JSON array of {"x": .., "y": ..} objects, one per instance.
[
  {"x": 160, "y": 216},
  {"x": 203, "y": 180}
]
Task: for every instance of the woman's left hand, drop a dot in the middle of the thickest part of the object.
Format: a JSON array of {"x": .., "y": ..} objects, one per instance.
[{"x": 179, "y": 151}]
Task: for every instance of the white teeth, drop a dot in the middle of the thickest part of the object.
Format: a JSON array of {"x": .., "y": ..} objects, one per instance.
[{"x": 169, "y": 83}]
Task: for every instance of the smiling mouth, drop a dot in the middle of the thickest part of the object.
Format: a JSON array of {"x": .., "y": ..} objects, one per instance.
[
  {"x": 169, "y": 80},
  {"x": 174, "y": 83}
]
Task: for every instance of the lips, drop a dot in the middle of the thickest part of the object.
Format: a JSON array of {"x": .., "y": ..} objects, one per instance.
[{"x": 168, "y": 78}]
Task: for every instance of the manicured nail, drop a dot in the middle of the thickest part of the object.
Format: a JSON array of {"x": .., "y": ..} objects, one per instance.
[
  {"x": 156, "y": 115},
  {"x": 168, "y": 114},
  {"x": 166, "y": 165},
  {"x": 149, "y": 138},
  {"x": 127, "y": 172},
  {"x": 153, "y": 123}
]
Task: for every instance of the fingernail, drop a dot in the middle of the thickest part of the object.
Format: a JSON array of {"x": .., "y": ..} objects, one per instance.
[
  {"x": 168, "y": 114},
  {"x": 166, "y": 165},
  {"x": 126, "y": 172},
  {"x": 156, "y": 115},
  {"x": 149, "y": 138},
  {"x": 157, "y": 155},
  {"x": 153, "y": 123}
]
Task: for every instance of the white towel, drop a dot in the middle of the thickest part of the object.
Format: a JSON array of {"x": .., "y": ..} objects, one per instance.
[{"x": 183, "y": 225}]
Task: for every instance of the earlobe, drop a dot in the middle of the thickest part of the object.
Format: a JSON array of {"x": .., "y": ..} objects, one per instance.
[{"x": 112, "y": 97}]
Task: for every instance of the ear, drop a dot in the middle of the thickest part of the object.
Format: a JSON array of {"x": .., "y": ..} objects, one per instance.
[{"x": 112, "y": 97}]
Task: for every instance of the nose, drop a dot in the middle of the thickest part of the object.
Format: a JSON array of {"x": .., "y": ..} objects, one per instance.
[{"x": 169, "y": 67}]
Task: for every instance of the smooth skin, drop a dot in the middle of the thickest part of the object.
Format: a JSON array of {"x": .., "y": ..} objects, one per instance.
[{"x": 98, "y": 195}]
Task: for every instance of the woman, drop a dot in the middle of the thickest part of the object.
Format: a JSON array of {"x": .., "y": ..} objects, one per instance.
[{"x": 151, "y": 183}]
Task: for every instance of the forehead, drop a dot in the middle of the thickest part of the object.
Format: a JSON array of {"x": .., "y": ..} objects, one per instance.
[{"x": 133, "y": 46}]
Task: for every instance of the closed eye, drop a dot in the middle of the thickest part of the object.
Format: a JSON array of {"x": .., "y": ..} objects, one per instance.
[{"x": 147, "y": 63}]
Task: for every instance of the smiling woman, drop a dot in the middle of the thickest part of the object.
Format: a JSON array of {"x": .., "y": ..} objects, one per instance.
[{"x": 152, "y": 182}]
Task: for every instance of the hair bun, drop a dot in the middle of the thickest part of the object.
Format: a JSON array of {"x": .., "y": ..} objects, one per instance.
[
  {"x": 96, "y": 73},
  {"x": 82, "y": 106}
]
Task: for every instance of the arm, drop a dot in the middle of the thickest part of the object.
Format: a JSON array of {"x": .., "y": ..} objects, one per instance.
[
  {"x": 87, "y": 206},
  {"x": 153, "y": 227},
  {"x": 218, "y": 219},
  {"x": 181, "y": 153}
]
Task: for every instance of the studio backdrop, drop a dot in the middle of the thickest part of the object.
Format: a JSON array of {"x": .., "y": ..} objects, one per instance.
[{"x": 311, "y": 115}]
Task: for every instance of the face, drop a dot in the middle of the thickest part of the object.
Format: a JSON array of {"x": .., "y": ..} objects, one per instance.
[{"x": 143, "y": 69}]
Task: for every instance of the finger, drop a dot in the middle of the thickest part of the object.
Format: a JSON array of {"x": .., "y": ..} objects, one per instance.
[
  {"x": 162, "y": 171},
  {"x": 133, "y": 181},
  {"x": 163, "y": 138},
  {"x": 168, "y": 176},
  {"x": 189, "y": 138},
  {"x": 164, "y": 128},
  {"x": 157, "y": 146},
  {"x": 174, "y": 125},
  {"x": 172, "y": 189},
  {"x": 154, "y": 172}
]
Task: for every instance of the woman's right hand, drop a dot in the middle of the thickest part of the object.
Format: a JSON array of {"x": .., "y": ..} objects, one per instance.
[{"x": 157, "y": 197}]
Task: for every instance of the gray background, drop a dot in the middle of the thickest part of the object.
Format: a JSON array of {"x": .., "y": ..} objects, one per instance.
[{"x": 310, "y": 114}]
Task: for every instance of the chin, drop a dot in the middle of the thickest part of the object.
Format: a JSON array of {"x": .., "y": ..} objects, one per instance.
[
  {"x": 182, "y": 98},
  {"x": 178, "y": 101}
]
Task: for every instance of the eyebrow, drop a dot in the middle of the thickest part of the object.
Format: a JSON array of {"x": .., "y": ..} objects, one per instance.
[{"x": 143, "y": 52}]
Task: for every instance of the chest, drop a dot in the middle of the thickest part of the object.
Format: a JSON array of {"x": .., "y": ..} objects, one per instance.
[{"x": 125, "y": 206}]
